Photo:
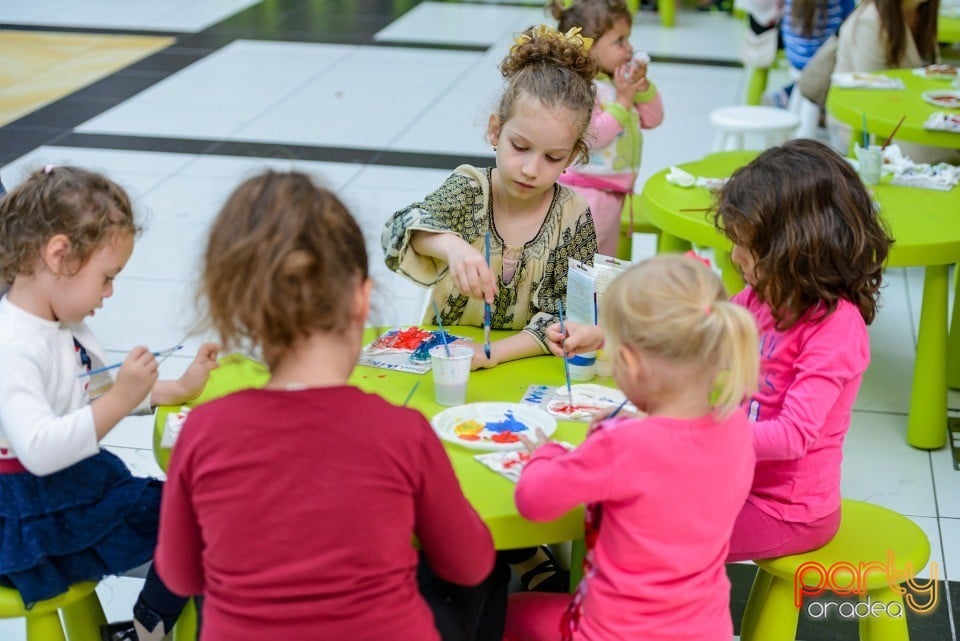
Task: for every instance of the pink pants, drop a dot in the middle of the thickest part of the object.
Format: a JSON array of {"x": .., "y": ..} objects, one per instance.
[
  {"x": 757, "y": 535},
  {"x": 605, "y": 207},
  {"x": 535, "y": 616}
]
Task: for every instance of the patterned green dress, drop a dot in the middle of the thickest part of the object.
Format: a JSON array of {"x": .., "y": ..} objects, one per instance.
[{"x": 464, "y": 205}]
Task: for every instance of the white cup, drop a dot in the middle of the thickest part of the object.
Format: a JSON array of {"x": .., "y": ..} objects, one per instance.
[
  {"x": 870, "y": 161},
  {"x": 450, "y": 373},
  {"x": 583, "y": 367}
]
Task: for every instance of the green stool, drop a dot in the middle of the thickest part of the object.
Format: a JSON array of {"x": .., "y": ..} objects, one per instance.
[
  {"x": 640, "y": 224},
  {"x": 186, "y": 627},
  {"x": 871, "y": 539},
  {"x": 80, "y": 607}
]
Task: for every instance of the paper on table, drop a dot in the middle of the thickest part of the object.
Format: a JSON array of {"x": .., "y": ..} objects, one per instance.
[
  {"x": 682, "y": 178},
  {"x": 861, "y": 80},
  {"x": 943, "y": 121},
  {"x": 510, "y": 464},
  {"x": 171, "y": 429}
]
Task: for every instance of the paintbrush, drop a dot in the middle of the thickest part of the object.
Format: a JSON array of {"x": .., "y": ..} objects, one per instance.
[
  {"x": 443, "y": 334},
  {"x": 890, "y": 137},
  {"x": 164, "y": 353},
  {"x": 486, "y": 305},
  {"x": 619, "y": 407},
  {"x": 413, "y": 391},
  {"x": 566, "y": 363}
]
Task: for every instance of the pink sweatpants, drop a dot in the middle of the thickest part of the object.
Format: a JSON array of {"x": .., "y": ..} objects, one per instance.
[
  {"x": 535, "y": 616},
  {"x": 605, "y": 207},
  {"x": 757, "y": 535}
]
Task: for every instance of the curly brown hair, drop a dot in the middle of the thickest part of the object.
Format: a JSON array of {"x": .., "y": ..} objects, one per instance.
[
  {"x": 283, "y": 260},
  {"x": 85, "y": 206},
  {"x": 812, "y": 227},
  {"x": 556, "y": 71},
  {"x": 595, "y": 17}
]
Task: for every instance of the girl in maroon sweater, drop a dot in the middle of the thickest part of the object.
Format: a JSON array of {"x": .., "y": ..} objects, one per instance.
[{"x": 293, "y": 508}]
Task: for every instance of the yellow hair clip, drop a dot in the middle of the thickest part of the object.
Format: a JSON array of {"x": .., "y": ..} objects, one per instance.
[{"x": 572, "y": 36}]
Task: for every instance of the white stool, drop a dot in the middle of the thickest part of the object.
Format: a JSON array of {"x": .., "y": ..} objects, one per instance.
[{"x": 772, "y": 124}]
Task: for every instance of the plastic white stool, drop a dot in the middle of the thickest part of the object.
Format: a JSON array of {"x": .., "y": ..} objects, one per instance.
[{"x": 732, "y": 123}]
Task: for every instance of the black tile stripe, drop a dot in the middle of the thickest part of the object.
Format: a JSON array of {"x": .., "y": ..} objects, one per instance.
[{"x": 270, "y": 150}]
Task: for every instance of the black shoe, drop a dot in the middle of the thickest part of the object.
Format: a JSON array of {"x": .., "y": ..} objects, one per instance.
[
  {"x": 119, "y": 631},
  {"x": 557, "y": 579}
]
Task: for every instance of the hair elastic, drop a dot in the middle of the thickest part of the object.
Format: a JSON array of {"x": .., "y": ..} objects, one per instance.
[{"x": 48, "y": 169}]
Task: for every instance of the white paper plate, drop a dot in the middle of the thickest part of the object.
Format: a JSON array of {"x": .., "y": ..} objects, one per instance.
[
  {"x": 589, "y": 400},
  {"x": 445, "y": 423},
  {"x": 943, "y": 98}
]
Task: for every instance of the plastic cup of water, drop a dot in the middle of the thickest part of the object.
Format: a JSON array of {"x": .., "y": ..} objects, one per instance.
[
  {"x": 451, "y": 373},
  {"x": 870, "y": 161}
]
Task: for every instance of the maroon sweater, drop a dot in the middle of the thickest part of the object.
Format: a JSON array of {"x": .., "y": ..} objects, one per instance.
[{"x": 294, "y": 512}]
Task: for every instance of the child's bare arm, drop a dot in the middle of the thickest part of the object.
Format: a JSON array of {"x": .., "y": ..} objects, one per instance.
[
  {"x": 188, "y": 386},
  {"x": 468, "y": 267}
]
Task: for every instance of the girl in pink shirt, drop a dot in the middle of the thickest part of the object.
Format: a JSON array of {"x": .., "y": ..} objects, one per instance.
[
  {"x": 662, "y": 491},
  {"x": 811, "y": 247},
  {"x": 627, "y": 102}
]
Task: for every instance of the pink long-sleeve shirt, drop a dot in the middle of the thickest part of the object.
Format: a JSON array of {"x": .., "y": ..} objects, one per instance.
[
  {"x": 809, "y": 379},
  {"x": 614, "y": 159},
  {"x": 670, "y": 491}
]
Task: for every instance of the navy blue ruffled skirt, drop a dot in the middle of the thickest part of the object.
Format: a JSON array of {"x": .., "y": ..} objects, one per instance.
[{"x": 91, "y": 520}]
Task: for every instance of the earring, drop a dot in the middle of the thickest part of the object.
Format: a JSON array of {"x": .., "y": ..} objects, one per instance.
[{"x": 494, "y": 147}]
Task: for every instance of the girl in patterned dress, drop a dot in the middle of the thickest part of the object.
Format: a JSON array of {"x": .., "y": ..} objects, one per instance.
[
  {"x": 534, "y": 224},
  {"x": 69, "y": 510}
]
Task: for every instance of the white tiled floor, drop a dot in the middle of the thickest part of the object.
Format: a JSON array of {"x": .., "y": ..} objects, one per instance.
[{"x": 420, "y": 100}]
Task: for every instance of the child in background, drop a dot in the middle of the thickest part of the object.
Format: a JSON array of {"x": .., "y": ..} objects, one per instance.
[
  {"x": 534, "y": 223},
  {"x": 805, "y": 26},
  {"x": 654, "y": 567},
  {"x": 811, "y": 246},
  {"x": 626, "y": 103},
  {"x": 71, "y": 511},
  {"x": 335, "y": 482}
]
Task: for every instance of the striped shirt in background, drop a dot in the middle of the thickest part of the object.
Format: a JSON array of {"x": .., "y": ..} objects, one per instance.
[{"x": 800, "y": 48}]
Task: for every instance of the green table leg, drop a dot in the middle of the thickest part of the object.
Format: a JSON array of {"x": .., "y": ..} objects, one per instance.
[
  {"x": 732, "y": 279},
  {"x": 578, "y": 550},
  {"x": 670, "y": 244},
  {"x": 953, "y": 340},
  {"x": 927, "y": 423},
  {"x": 756, "y": 84},
  {"x": 667, "y": 10}
]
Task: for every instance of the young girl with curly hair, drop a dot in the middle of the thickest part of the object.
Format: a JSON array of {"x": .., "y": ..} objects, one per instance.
[
  {"x": 811, "y": 246},
  {"x": 534, "y": 224}
]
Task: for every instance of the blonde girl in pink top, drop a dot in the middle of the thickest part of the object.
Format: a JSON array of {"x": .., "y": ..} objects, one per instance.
[
  {"x": 662, "y": 491},
  {"x": 811, "y": 247}
]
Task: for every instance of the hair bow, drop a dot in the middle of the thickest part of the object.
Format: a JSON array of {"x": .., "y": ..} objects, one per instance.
[{"x": 572, "y": 36}]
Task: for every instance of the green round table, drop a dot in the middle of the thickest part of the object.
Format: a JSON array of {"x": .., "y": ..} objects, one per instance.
[
  {"x": 490, "y": 494},
  {"x": 884, "y": 108},
  {"x": 948, "y": 29},
  {"x": 926, "y": 227}
]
